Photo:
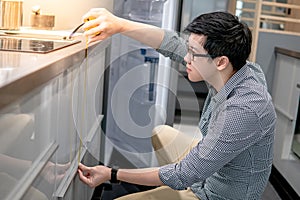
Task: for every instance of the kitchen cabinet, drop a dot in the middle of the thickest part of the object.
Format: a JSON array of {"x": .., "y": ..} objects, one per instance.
[
  {"x": 286, "y": 94},
  {"x": 47, "y": 130}
]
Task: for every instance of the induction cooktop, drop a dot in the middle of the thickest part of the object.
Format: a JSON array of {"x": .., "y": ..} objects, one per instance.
[{"x": 33, "y": 45}]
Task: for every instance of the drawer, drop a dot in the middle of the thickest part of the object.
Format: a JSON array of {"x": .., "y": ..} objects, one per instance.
[
  {"x": 28, "y": 125},
  {"x": 30, "y": 185}
]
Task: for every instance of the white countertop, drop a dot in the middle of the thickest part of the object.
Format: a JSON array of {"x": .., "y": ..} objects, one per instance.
[
  {"x": 15, "y": 65},
  {"x": 20, "y": 72}
]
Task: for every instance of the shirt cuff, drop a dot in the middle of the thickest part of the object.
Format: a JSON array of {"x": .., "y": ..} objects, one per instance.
[
  {"x": 173, "y": 46},
  {"x": 166, "y": 40},
  {"x": 169, "y": 177}
]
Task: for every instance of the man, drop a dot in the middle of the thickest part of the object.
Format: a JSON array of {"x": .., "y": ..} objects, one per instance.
[{"x": 233, "y": 159}]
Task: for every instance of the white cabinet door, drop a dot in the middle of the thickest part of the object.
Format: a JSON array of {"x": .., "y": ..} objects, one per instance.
[
  {"x": 286, "y": 100},
  {"x": 285, "y": 93},
  {"x": 44, "y": 134}
]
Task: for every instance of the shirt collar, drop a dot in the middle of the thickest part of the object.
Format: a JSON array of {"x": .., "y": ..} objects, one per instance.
[{"x": 221, "y": 96}]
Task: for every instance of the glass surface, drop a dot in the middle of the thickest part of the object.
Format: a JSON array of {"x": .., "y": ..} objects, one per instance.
[
  {"x": 27, "y": 127},
  {"x": 65, "y": 111},
  {"x": 146, "y": 9},
  {"x": 33, "y": 45}
]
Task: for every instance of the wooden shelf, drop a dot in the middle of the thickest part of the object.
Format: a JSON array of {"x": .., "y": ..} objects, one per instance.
[
  {"x": 247, "y": 10},
  {"x": 282, "y": 5},
  {"x": 267, "y": 12},
  {"x": 248, "y": 1},
  {"x": 283, "y": 19},
  {"x": 247, "y": 19}
]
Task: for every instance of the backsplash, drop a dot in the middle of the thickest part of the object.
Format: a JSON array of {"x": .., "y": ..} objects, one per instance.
[{"x": 67, "y": 13}]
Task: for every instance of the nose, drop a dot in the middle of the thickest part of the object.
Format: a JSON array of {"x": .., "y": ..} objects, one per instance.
[{"x": 187, "y": 58}]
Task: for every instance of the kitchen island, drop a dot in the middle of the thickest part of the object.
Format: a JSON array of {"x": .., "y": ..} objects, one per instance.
[{"x": 50, "y": 119}]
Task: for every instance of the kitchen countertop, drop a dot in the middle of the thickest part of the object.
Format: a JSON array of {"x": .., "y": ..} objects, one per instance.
[{"x": 21, "y": 72}]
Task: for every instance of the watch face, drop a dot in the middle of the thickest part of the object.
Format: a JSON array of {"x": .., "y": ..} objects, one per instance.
[{"x": 33, "y": 45}]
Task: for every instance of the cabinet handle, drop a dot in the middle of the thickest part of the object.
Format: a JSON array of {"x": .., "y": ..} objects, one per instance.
[
  {"x": 27, "y": 180},
  {"x": 66, "y": 182},
  {"x": 298, "y": 85},
  {"x": 284, "y": 113},
  {"x": 68, "y": 178}
]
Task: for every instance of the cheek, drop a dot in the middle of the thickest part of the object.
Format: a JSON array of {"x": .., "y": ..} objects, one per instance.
[
  {"x": 195, "y": 75},
  {"x": 205, "y": 70}
]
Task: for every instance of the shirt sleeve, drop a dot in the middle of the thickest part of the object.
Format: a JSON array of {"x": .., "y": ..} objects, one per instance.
[
  {"x": 173, "y": 47},
  {"x": 230, "y": 133}
]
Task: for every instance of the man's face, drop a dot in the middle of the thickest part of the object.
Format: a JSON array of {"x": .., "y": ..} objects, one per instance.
[{"x": 199, "y": 65}]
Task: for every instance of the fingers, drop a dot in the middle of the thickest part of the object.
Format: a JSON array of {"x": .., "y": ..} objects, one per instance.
[
  {"x": 91, "y": 28},
  {"x": 83, "y": 173},
  {"x": 92, "y": 14},
  {"x": 100, "y": 24},
  {"x": 93, "y": 39},
  {"x": 83, "y": 167},
  {"x": 82, "y": 177},
  {"x": 90, "y": 22},
  {"x": 93, "y": 176}
]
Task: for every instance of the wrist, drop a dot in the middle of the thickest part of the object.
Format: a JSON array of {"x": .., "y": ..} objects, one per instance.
[{"x": 124, "y": 25}]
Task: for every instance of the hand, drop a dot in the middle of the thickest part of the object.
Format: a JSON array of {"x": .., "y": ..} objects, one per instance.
[
  {"x": 93, "y": 176},
  {"x": 101, "y": 24}
]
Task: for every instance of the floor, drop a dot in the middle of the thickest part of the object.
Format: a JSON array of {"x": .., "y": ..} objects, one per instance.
[
  {"x": 112, "y": 192},
  {"x": 270, "y": 193}
]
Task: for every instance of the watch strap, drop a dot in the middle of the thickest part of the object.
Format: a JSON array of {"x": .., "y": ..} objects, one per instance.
[{"x": 113, "y": 176}]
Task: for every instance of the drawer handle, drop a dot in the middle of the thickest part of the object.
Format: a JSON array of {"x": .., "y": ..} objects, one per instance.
[
  {"x": 68, "y": 178},
  {"x": 284, "y": 113}
]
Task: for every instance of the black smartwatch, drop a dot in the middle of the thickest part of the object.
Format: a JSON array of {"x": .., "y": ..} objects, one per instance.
[{"x": 113, "y": 176}]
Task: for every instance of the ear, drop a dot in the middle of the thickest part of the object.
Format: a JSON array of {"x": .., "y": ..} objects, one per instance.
[{"x": 222, "y": 62}]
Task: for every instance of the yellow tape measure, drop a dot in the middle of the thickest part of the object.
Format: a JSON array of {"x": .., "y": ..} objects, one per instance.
[
  {"x": 84, "y": 89},
  {"x": 84, "y": 100}
]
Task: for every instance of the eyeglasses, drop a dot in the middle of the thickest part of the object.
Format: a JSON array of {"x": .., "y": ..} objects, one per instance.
[{"x": 192, "y": 55}]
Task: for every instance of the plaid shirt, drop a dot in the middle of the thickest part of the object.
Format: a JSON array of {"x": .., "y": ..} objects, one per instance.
[{"x": 234, "y": 158}]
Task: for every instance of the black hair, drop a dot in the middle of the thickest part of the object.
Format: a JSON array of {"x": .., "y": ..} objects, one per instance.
[{"x": 225, "y": 36}]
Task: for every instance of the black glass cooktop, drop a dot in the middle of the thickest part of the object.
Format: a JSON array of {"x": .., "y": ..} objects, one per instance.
[{"x": 33, "y": 45}]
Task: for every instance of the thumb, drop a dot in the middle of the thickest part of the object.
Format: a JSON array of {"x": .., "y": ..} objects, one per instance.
[{"x": 82, "y": 167}]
